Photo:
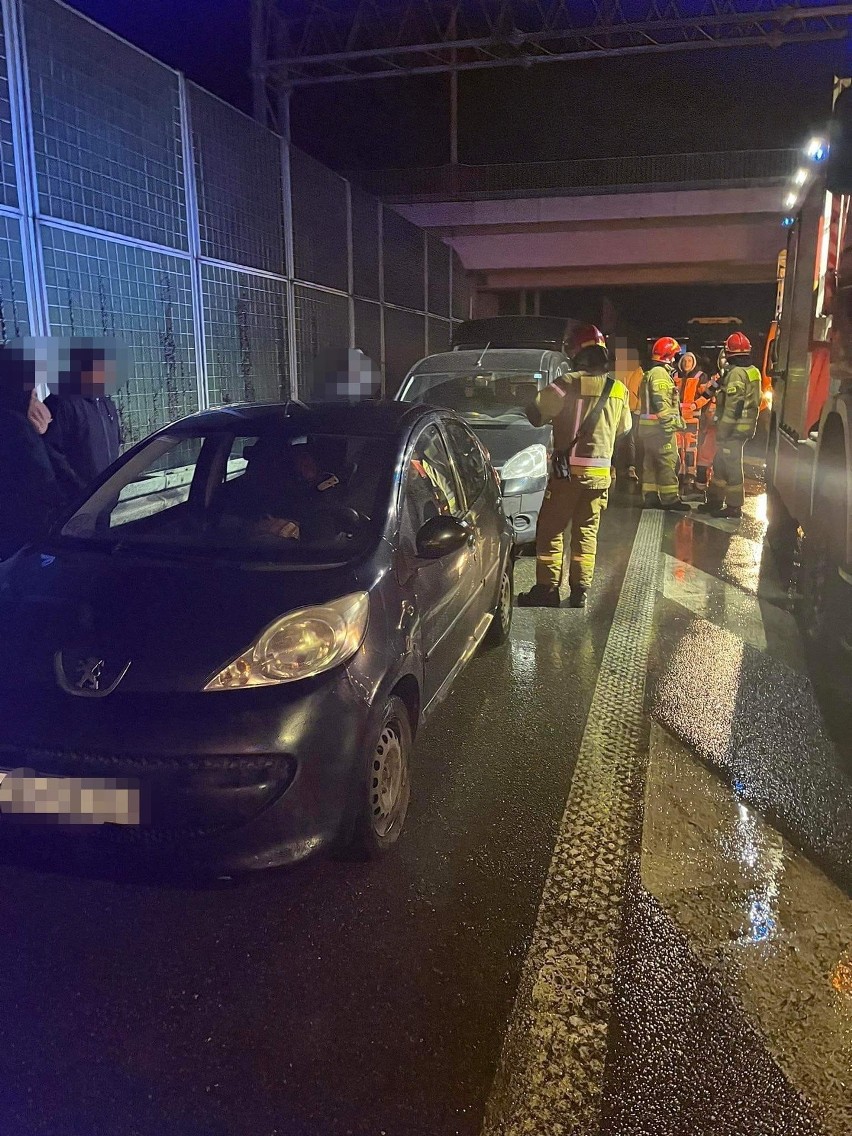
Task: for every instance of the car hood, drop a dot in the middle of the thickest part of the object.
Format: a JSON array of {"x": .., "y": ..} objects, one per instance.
[
  {"x": 503, "y": 440},
  {"x": 172, "y": 625}
]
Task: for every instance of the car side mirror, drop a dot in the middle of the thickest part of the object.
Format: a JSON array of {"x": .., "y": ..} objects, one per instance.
[{"x": 440, "y": 536}]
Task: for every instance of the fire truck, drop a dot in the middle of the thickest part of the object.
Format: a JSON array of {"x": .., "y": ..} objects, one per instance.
[{"x": 809, "y": 357}]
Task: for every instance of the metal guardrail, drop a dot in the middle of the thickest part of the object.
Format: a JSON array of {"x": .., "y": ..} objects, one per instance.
[{"x": 583, "y": 175}]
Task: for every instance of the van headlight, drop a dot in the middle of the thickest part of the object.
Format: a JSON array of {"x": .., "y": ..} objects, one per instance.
[
  {"x": 525, "y": 472},
  {"x": 299, "y": 645}
]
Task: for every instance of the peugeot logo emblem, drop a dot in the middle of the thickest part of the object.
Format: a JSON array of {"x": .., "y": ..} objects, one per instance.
[
  {"x": 88, "y": 676},
  {"x": 89, "y": 673}
]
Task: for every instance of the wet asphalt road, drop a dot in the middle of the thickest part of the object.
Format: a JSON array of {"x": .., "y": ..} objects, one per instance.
[
  {"x": 336, "y": 998},
  {"x": 330, "y": 998}
]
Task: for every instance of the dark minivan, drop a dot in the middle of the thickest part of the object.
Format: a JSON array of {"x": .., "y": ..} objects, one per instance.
[{"x": 491, "y": 389}]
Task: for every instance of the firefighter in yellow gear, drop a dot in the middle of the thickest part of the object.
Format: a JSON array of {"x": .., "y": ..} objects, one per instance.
[
  {"x": 590, "y": 411},
  {"x": 659, "y": 423},
  {"x": 738, "y": 406}
]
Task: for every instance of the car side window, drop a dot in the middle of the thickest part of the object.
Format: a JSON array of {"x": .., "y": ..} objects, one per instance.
[
  {"x": 469, "y": 459},
  {"x": 429, "y": 485}
]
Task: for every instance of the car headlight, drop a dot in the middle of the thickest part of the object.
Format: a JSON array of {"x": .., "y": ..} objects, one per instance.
[
  {"x": 525, "y": 472},
  {"x": 300, "y": 645},
  {"x": 531, "y": 462}
]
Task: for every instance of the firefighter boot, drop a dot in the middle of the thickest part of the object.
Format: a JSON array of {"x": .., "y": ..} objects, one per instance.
[
  {"x": 652, "y": 501},
  {"x": 539, "y": 596},
  {"x": 676, "y": 506},
  {"x": 731, "y": 513},
  {"x": 577, "y": 597}
]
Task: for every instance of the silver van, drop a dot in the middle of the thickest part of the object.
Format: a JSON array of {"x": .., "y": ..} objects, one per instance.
[{"x": 491, "y": 389}]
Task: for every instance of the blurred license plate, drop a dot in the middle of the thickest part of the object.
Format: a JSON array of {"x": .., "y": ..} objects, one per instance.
[{"x": 68, "y": 800}]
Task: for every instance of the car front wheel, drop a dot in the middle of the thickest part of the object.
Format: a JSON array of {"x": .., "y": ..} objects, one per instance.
[{"x": 384, "y": 785}]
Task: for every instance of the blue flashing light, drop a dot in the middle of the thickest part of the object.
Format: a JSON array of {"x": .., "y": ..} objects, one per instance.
[
  {"x": 788, "y": 222},
  {"x": 820, "y": 154}
]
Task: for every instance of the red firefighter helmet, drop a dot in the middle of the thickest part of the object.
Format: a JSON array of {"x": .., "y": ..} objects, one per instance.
[
  {"x": 586, "y": 335},
  {"x": 737, "y": 344},
  {"x": 665, "y": 350}
]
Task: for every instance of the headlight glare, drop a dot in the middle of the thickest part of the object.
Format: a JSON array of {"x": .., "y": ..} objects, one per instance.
[
  {"x": 531, "y": 462},
  {"x": 299, "y": 645}
]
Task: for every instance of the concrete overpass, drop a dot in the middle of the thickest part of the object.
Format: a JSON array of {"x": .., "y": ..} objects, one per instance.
[{"x": 672, "y": 219}]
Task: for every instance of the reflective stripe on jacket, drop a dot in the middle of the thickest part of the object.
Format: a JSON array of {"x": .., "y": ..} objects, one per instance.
[
  {"x": 660, "y": 402},
  {"x": 740, "y": 401},
  {"x": 565, "y": 403}
]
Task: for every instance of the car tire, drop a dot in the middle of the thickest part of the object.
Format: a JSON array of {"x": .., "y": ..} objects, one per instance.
[
  {"x": 383, "y": 786},
  {"x": 501, "y": 624}
]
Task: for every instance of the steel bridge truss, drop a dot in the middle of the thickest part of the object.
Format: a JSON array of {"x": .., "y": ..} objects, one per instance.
[{"x": 301, "y": 43}]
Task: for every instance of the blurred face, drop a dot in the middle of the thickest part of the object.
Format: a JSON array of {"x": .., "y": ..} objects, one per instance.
[
  {"x": 100, "y": 379},
  {"x": 306, "y": 467}
]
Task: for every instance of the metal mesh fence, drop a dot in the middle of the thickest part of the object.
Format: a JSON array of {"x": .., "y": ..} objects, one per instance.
[
  {"x": 8, "y": 187},
  {"x": 461, "y": 289},
  {"x": 438, "y": 259},
  {"x": 98, "y": 287},
  {"x": 238, "y": 165},
  {"x": 106, "y": 129},
  {"x": 440, "y": 334},
  {"x": 365, "y": 245},
  {"x": 402, "y": 246},
  {"x": 245, "y": 333},
  {"x": 405, "y": 343},
  {"x": 322, "y": 323},
  {"x": 319, "y": 223},
  {"x": 368, "y": 329},
  {"x": 579, "y": 175},
  {"x": 14, "y": 318},
  {"x": 199, "y": 295}
]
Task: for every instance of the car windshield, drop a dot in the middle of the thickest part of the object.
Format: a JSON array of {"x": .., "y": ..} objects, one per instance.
[
  {"x": 270, "y": 494},
  {"x": 476, "y": 395}
]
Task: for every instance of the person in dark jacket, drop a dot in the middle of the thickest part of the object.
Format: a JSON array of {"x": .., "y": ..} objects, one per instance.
[
  {"x": 85, "y": 429},
  {"x": 29, "y": 491}
]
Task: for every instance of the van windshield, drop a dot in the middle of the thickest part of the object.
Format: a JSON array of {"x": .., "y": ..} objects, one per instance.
[{"x": 476, "y": 395}]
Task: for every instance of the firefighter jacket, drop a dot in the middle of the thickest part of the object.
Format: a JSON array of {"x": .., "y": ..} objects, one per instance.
[
  {"x": 660, "y": 400},
  {"x": 739, "y": 404},
  {"x": 565, "y": 403}
]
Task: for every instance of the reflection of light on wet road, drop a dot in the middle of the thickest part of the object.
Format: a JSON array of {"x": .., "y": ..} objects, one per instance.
[
  {"x": 841, "y": 976},
  {"x": 758, "y": 850},
  {"x": 742, "y": 561},
  {"x": 523, "y": 659},
  {"x": 757, "y": 508},
  {"x": 774, "y": 930}
]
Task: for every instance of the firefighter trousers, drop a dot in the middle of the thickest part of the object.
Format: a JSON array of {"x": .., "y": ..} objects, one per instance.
[
  {"x": 567, "y": 502},
  {"x": 659, "y": 466},
  {"x": 727, "y": 487}
]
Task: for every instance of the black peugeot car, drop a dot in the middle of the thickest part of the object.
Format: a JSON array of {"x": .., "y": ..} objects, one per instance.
[{"x": 227, "y": 649}]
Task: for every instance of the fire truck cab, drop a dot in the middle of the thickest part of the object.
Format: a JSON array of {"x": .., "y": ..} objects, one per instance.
[{"x": 810, "y": 459}]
